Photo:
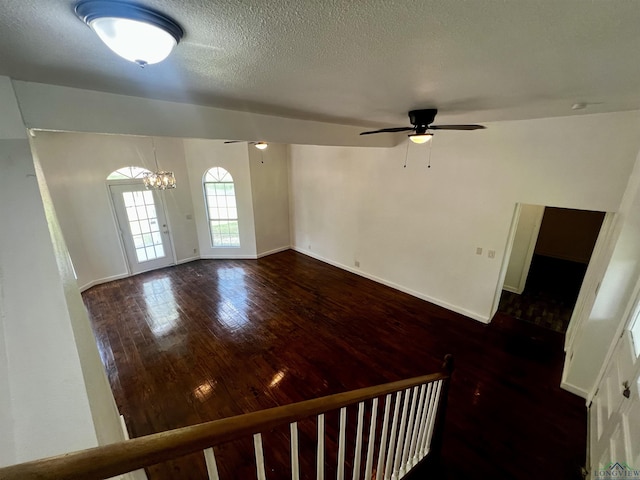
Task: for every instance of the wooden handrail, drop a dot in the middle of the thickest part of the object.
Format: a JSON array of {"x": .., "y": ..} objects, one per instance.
[{"x": 122, "y": 457}]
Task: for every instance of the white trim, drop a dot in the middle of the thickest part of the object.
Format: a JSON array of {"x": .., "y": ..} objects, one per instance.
[
  {"x": 505, "y": 259},
  {"x": 187, "y": 260},
  {"x": 596, "y": 269},
  {"x": 275, "y": 250},
  {"x": 135, "y": 474},
  {"x": 511, "y": 289},
  {"x": 575, "y": 390},
  {"x": 103, "y": 280},
  {"x": 421, "y": 296},
  {"x": 229, "y": 257},
  {"x": 623, "y": 326}
]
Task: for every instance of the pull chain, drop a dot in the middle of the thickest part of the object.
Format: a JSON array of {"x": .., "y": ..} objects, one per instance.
[{"x": 406, "y": 154}]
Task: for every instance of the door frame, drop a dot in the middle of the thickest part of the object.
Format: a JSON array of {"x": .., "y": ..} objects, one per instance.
[
  {"x": 600, "y": 256},
  {"x": 116, "y": 225}
]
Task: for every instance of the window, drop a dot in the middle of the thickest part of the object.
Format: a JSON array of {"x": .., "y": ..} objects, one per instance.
[
  {"x": 126, "y": 173},
  {"x": 222, "y": 211}
]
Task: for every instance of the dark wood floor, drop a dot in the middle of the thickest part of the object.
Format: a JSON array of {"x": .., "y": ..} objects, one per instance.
[
  {"x": 550, "y": 295},
  {"x": 215, "y": 338}
]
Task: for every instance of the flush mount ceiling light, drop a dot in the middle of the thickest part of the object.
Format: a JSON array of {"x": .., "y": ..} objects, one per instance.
[
  {"x": 136, "y": 33},
  {"x": 260, "y": 145},
  {"x": 420, "y": 138}
]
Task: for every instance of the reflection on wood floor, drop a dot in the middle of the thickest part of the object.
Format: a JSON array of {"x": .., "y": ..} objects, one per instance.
[{"x": 216, "y": 338}]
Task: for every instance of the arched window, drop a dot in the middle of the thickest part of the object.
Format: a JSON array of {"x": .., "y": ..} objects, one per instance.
[
  {"x": 222, "y": 211},
  {"x": 126, "y": 173}
]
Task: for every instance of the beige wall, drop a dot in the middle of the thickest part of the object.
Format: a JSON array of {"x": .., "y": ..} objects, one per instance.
[{"x": 270, "y": 193}]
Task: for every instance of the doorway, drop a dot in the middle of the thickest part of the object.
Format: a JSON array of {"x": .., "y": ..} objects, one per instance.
[
  {"x": 551, "y": 251},
  {"x": 143, "y": 227}
]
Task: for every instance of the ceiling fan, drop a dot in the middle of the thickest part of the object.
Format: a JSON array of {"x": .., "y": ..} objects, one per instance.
[
  {"x": 421, "y": 121},
  {"x": 258, "y": 145}
]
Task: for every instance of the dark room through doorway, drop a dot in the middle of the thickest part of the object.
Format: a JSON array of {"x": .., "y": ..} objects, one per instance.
[{"x": 551, "y": 251}]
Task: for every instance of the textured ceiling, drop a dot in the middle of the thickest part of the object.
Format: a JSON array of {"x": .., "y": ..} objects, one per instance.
[{"x": 358, "y": 62}]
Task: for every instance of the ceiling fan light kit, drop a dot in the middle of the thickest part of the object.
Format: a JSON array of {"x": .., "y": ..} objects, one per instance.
[
  {"x": 258, "y": 145},
  {"x": 138, "y": 34},
  {"x": 421, "y": 121},
  {"x": 420, "y": 138}
]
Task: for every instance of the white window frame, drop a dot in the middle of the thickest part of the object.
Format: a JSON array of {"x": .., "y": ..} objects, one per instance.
[{"x": 217, "y": 176}]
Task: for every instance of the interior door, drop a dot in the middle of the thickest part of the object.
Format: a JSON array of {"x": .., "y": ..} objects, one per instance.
[
  {"x": 614, "y": 416},
  {"x": 143, "y": 227}
]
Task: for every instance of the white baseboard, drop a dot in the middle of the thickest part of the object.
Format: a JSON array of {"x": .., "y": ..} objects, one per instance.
[
  {"x": 513, "y": 289},
  {"x": 275, "y": 250},
  {"x": 575, "y": 390},
  {"x": 421, "y": 296},
  {"x": 228, "y": 257},
  {"x": 136, "y": 474},
  {"x": 187, "y": 260},
  {"x": 103, "y": 280}
]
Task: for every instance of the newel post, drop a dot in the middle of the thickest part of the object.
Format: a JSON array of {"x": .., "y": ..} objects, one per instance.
[{"x": 438, "y": 429}]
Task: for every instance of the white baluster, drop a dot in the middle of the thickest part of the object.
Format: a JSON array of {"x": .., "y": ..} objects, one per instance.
[
  {"x": 357, "y": 453},
  {"x": 320, "y": 460},
  {"x": 295, "y": 467},
  {"x": 372, "y": 440},
  {"x": 430, "y": 415},
  {"x": 341, "y": 443},
  {"x": 423, "y": 423},
  {"x": 401, "y": 439},
  {"x": 409, "y": 433},
  {"x": 212, "y": 467},
  {"x": 392, "y": 438},
  {"x": 257, "y": 445},
  {"x": 383, "y": 439},
  {"x": 432, "y": 420},
  {"x": 416, "y": 428}
]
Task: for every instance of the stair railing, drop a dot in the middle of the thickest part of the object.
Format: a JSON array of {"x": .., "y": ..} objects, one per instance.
[{"x": 410, "y": 432}]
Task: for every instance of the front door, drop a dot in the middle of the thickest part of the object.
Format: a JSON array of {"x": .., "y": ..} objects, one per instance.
[
  {"x": 614, "y": 416},
  {"x": 143, "y": 227}
]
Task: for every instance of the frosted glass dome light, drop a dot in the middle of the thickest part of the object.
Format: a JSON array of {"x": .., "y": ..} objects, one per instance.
[
  {"x": 420, "y": 138},
  {"x": 261, "y": 145},
  {"x": 138, "y": 34}
]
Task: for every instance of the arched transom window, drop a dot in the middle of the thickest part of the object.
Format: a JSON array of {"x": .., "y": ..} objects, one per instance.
[
  {"x": 222, "y": 211},
  {"x": 126, "y": 173}
]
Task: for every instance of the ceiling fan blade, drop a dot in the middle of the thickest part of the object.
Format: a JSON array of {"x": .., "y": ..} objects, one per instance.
[
  {"x": 456, "y": 127},
  {"x": 234, "y": 141},
  {"x": 389, "y": 130}
]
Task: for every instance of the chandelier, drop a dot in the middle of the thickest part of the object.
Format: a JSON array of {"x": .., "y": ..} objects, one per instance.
[{"x": 160, "y": 179}]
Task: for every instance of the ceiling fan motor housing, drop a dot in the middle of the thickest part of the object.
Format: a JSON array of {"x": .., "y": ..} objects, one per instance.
[{"x": 422, "y": 118}]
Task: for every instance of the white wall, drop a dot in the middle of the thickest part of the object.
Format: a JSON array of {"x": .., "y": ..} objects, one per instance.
[
  {"x": 76, "y": 166},
  {"x": 45, "y": 406},
  {"x": 201, "y": 155},
  {"x": 524, "y": 242},
  {"x": 52, "y": 107},
  {"x": 11, "y": 129},
  {"x": 597, "y": 334},
  {"x": 104, "y": 411},
  {"x": 270, "y": 194},
  {"x": 418, "y": 228}
]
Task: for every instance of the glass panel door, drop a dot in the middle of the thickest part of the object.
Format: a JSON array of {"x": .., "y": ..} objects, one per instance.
[{"x": 143, "y": 227}]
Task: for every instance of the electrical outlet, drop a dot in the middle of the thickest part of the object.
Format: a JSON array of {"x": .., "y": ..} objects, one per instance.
[
  {"x": 357, "y": 263},
  {"x": 479, "y": 251},
  {"x": 309, "y": 246},
  {"x": 189, "y": 216},
  {"x": 492, "y": 254},
  {"x": 195, "y": 250}
]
